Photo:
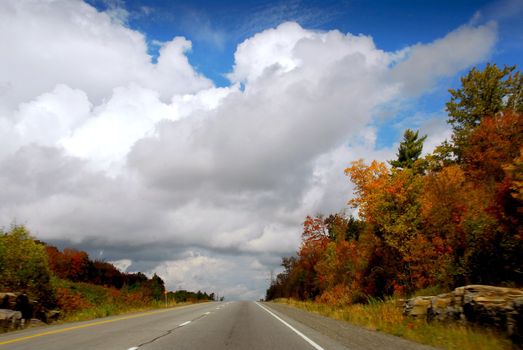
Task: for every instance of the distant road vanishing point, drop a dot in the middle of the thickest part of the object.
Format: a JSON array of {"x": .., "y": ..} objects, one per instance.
[{"x": 213, "y": 325}]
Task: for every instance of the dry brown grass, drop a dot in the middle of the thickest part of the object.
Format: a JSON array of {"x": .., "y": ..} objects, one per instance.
[{"x": 387, "y": 317}]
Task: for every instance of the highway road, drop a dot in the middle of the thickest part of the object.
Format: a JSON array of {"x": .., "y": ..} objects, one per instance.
[{"x": 213, "y": 325}]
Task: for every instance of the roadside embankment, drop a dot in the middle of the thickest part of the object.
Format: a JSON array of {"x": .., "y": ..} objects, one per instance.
[{"x": 387, "y": 316}]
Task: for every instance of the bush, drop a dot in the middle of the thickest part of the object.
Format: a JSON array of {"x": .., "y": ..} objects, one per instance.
[{"x": 23, "y": 265}]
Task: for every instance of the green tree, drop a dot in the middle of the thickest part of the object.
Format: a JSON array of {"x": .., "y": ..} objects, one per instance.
[
  {"x": 355, "y": 228},
  {"x": 23, "y": 265},
  {"x": 409, "y": 150},
  {"x": 482, "y": 93},
  {"x": 155, "y": 287}
]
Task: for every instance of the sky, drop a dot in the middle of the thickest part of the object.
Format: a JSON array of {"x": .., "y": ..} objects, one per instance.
[{"x": 191, "y": 138}]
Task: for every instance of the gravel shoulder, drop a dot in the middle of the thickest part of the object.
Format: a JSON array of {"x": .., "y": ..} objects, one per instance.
[{"x": 350, "y": 336}]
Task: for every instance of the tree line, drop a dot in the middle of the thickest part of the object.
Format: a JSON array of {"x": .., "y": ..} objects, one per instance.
[
  {"x": 449, "y": 218},
  {"x": 55, "y": 277}
]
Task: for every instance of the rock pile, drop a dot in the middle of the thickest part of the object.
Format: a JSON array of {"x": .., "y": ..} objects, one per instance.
[
  {"x": 10, "y": 320},
  {"x": 497, "y": 307},
  {"x": 17, "y": 310}
]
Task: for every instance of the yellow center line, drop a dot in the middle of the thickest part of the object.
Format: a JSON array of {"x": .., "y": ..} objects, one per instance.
[{"x": 62, "y": 330}]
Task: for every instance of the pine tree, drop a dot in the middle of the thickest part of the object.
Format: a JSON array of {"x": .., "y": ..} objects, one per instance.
[{"x": 409, "y": 150}]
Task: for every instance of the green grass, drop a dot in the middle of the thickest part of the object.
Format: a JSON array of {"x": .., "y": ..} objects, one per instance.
[{"x": 386, "y": 317}]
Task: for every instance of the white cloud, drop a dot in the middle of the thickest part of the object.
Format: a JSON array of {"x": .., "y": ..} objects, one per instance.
[
  {"x": 275, "y": 238},
  {"x": 45, "y": 120},
  {"x": 225, "y": 276},
  {"x": 193, "y": 272},
  {"x": 122, "y": 264},
  {"x": 437, "y": 130},
  {"x": 444, "y": 57},
  {"x": 69, "y": 42},
  {"x": 267, "y": 50},
  {"x": 113, "y": 127}
]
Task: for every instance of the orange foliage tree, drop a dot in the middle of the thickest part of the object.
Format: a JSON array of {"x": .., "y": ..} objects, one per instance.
[
  {"x": 70, "y": 264},
  {"x": 451, "y": 218}
]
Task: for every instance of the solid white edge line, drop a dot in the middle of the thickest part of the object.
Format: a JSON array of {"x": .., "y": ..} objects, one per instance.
[
  {"x": 184, "y": 324},
  {"x": 314, "y": 345}
]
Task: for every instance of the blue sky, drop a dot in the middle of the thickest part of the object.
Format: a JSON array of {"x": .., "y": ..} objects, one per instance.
[
  {"x": 215, "y": 28},
  {"x": 201, "y": 165}
]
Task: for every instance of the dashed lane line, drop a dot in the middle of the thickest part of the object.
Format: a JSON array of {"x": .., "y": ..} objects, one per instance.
[{"x": 62, "y": 330}]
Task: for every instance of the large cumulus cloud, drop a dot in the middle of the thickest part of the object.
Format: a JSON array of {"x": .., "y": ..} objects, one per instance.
[{"x": 150, "y": 165}]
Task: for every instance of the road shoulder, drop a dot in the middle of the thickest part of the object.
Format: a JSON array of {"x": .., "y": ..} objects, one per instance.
[{"x": 350, "y": 336}]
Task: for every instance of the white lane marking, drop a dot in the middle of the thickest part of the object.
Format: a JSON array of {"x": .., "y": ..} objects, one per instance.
[
  {"x": 184, "y": 324},
  {"x": 133, "y": 348},
  {"x": 208, "y": 312},
  {"x": 314, "y": 345}
]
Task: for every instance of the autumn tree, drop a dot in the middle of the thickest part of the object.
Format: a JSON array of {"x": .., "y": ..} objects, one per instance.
[
  {"x": 70, "y": 264},
  {"x": 339, "y": 272},
  {"x": 388, "y": 201},
  {"x": 315, "y": 238},
  {"x": 390, "y": 204},
  {"x": 106, "y": 274},
  {"x": 367, "y": 181},
  {"x": 510, "y": 196},
  {"x": 288, "y": 283},
  {"x": 23, "y": 265},
  {"x": 155, "y": 287},
  {"x": 514, "y": 173},
  {"x": 459, "y": 221},
  {"x": 409, "y": 150},
  {"x": 482, "y": 93},
  {"x": 492, "y": 144},
  {"x": 445, "y": 203},
  {"x": 337, "y": 226}
]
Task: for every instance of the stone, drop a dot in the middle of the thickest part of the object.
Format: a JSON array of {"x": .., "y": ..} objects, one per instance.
[
  {"x": 417, "y": 306},
  {"x": 489, "y": 305},
  {"x": 515, "y": 321},
  {"x": 35, "y": 322},
  {"x": 496, "y": 307},
  {"x": 52, "y": 315},
  {"x": 7, "y": 300},
  {"x": 400, "y": 303},
  {"x": 29, "y": 309},
  {"x": 10, "y": 319},
  {"x": 444, "y": 307}
]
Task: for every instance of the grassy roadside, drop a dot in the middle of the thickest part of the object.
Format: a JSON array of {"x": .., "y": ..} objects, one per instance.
[
  {"x": 83, "y": 301},
  {"x": 106, "y": 310},
  {"x": 386, "y": 317}
]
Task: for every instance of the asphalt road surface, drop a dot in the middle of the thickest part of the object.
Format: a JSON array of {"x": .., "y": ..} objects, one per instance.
[{"x": 214, "y": 325}]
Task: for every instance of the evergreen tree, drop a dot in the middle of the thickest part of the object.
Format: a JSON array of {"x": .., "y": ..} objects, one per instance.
[
  {"x": 156, "y": 287},
  {"x": 409, "y": 150}
]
